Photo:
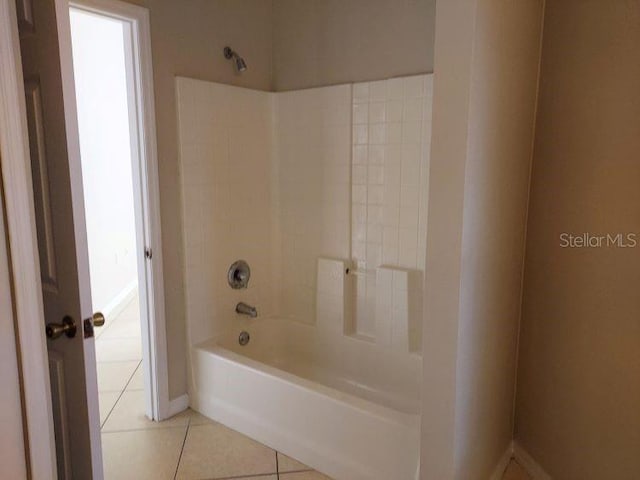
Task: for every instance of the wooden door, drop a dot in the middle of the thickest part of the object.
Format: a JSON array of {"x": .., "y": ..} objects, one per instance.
[{"x": 60, "y": 224}]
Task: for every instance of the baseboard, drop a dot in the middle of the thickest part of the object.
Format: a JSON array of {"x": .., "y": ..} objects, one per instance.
[
  {"x": 178, "y": 405},
  {"x": 501, "y": 466},
  {"x": 121, "y": 300},
  {"x": 527, "y": 462}
]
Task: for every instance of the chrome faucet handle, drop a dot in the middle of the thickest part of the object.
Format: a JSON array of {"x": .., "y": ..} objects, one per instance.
[{"x": 239, "y": 275}]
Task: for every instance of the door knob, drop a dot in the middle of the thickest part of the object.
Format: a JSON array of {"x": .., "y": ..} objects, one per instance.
[
  {"x": 96, "y": 320},
  {"x": 67, "y": 327}
]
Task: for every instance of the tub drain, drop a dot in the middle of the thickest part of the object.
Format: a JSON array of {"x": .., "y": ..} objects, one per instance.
[{"x": 244, "y": 338}]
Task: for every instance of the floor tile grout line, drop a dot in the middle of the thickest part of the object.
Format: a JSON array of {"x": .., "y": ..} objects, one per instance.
[
  {"x": 112, "y": 408},
  {"x": 131, "y": 377},
  {"x": 120, "y": 396},
  {"x": 277, "y": 466},
  {"x": 120, "y": 391},
  {"x": 241, "y": 477},
  {"x": 150, "y": 429},
  {"x": 135, "y": 369},
  {"x": 184, "y": 441}
]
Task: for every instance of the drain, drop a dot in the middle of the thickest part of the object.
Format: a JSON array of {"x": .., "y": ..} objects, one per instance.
[{"x": 244, "y": 338}]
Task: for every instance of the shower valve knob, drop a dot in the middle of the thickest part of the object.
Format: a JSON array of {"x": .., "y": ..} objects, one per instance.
[{"x": 239, "y": 275}]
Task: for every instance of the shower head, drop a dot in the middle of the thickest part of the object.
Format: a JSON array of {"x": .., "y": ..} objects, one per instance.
[
  {"x": 239, "y": 62},
  {"x": 241, "y": 66}
]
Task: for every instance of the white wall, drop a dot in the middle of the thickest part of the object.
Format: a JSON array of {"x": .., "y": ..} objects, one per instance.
[
  {"x": 352, "y": 166},
  {"x": 390, "y": 184},
  {"x": 487, "y": 57},
  {"x": 12, "y": 453},
  {"x": 284, "y": 179},
  {"x": 225, "y": 150},
  {"x": 313, "y": 155},
  {"x": 501, "y": 125},
  {"x": 101, "y": 91}
]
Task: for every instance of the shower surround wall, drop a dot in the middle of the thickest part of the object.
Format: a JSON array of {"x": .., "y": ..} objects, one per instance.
[
  {"x": 313, "y": 152},
  {"x": 226, "y": 166},
  {"x": 324, "y": 193},
  {"x": 285, "y": 180},
  {"x": 391, "y": 140}
]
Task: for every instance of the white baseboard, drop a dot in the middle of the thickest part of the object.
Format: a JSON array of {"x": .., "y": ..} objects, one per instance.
[
  {"x": 527, "y": 462},
  {"x": 501, "y": 466},
  {"x": 121, "y": 300},
  {"x": 178, "y": 405}
]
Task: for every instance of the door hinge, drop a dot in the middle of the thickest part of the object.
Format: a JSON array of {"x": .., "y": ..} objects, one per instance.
[{"x": 148, "y": 253}]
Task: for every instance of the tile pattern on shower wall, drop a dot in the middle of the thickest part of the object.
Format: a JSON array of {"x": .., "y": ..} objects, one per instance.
[
  {"x": 225, "y": 157},
  {"x": 390, "y": 167},
  {"x": 313, "y": 149}
]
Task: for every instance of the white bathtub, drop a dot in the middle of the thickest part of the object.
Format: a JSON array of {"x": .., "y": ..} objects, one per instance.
[{"x": 341, "y": 405}]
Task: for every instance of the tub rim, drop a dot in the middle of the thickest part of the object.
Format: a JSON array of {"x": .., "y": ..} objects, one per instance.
[{"x": 392, "y": 415}]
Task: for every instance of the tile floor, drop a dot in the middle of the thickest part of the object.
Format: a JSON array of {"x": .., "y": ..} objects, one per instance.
[{"x": 187, "y": 446}]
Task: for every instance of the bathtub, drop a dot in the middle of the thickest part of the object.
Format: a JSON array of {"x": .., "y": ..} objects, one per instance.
[{"x": 341, "y": 405}]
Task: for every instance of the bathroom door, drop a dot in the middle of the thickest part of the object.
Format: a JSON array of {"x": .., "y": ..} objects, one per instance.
[{"x": 57, "y": 186}]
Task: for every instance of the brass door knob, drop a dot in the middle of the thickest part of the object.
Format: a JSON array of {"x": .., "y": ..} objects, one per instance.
[
  {"x": 98, "y": 319},
  {"x": 67, "y": 327}
]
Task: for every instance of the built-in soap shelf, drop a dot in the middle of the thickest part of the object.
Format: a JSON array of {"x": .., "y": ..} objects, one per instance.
[{"x": 398, "y": 303}]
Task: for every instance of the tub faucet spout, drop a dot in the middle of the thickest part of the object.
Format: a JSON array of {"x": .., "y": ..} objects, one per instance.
[{"x": 244, "y": 309}]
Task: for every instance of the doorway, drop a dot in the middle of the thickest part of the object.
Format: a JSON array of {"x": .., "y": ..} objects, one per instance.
[
  {"x": 108, "y": 148},
  {"x": 117, "y": 159}
]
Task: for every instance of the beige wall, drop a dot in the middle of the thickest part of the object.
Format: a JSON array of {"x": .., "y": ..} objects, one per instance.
[
  {"x": 325, "y": 42},
  {"x": 578, "y": 396},
  {"x": 487, "y": 56},
  {"x": 187, "y": 39}
]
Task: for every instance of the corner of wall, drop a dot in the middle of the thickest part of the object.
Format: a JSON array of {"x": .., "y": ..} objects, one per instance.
[
  {"x": 524, "y": 246},
  {"x": 526, "y": 461}
]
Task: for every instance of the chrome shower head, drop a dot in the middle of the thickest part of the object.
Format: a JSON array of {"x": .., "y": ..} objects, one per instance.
[
  {"x": 241, "y": 66},
  {"x": 239, "y": 62}
]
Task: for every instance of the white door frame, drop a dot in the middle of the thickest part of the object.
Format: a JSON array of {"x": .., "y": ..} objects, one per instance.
[
  {"x": 23, "y": 245},
  {"x": 146, "y": 190}
]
